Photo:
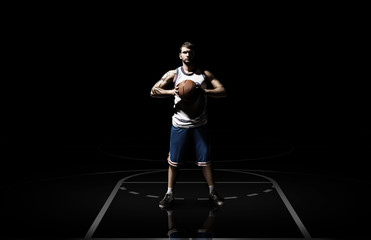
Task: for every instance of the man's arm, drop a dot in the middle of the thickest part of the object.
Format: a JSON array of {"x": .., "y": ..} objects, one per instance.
[
  {"x": 159, "y": 89},
  {"x": 218, "y": 90}
]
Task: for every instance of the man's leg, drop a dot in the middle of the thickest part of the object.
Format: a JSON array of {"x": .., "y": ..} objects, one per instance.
[
  {"x": 203, "y": 152},
  {"x": 178, "y": 139},
  {"x": 169, "y": 196},
  {"x": 213, "y": 195},
  {"x": 208, "y": 174},
  {"x": 171, "y": 177}
]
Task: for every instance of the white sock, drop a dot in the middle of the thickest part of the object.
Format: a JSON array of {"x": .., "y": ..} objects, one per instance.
[
  {"x": 211, "y": 188},
  {"x": 169, "y": 191}
]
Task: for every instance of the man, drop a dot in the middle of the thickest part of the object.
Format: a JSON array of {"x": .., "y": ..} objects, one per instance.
[{"x": 189, "y": 121}]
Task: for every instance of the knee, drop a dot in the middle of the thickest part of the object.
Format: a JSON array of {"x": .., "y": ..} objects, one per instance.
[{"x": 172, "y": 168}]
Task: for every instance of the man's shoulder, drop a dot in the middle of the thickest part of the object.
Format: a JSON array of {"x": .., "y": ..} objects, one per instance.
[
  {"x": 201, "y": 71},
  {"x": 171, "y": 73},
  {"x": 207, "y": 73}
]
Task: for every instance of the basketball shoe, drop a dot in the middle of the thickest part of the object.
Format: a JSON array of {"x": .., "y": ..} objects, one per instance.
[
  {"x": 213, "y": 196},
  {"x": 166, "y": 201}
]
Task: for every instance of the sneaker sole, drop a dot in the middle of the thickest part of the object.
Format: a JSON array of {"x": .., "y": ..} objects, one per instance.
[
  {"x": 216, "y": 203},
  {"x": 164, "y": 206}
]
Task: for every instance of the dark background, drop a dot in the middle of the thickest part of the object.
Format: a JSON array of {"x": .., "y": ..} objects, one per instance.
[
  {"x": 80, "y": 77},
  {"x": 293, "y": 73}
]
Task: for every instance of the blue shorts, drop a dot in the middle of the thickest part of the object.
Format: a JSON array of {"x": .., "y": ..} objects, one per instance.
[{"x": 184, "y": 141}]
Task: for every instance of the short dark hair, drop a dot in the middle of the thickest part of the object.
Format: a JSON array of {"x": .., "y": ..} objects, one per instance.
[{"x": 188, "y": 45}]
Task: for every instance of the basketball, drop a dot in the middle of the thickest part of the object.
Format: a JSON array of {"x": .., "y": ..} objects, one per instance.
[{"x": 187, "y": 90}]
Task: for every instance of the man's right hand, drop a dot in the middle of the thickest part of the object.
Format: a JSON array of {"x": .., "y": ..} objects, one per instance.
[{"x": 176, "y": 91}]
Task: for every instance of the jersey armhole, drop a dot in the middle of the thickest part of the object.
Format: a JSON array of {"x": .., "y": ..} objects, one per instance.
[{"x": 176, "y": 76}]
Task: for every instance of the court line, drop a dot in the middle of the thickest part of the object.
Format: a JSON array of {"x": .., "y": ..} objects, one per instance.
[
  {"x": 288, "y": 205},
  {"x": 152, "y": 196},
  {"x": 232, "y": 197},
  {"x": 201, "y": 182},
  {"x": 226, "y": 198},
  {"x": 212, "y": 238},
  {"x": 252, "y": 194},
  {"x": 101, "y": 213},
  {"x": 135, "y": 193}
]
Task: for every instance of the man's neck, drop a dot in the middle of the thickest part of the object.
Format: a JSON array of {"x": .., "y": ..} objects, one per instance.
[{"x": 189, "y": 68}]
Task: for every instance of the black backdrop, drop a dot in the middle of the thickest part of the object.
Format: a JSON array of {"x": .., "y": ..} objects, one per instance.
[
  {"x": 295, "y": 73},
  {"x": 282, "y": 75}
]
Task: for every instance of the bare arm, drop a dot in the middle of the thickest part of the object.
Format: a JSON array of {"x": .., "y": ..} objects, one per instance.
[
  {"x": 218, "y": 90},
  {"x": 159, "y": 90}
]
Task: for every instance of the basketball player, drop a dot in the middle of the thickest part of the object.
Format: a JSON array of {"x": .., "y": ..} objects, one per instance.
[{"x": 189, "y": 121}]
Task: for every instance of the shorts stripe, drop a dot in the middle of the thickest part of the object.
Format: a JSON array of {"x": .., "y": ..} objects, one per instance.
[
  {"x": 203, "y": 164},
  {"x": 174, "y": 164}
]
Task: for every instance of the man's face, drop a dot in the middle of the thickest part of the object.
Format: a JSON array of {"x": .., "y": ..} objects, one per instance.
[{"x": 187, "y": 55}]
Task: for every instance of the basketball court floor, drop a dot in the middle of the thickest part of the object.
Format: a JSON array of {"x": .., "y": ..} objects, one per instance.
[{"x": 273, "y": 189}]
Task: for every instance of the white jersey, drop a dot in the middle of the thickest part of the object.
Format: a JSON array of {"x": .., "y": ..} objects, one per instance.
[{"x": 190, "y": 114}]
